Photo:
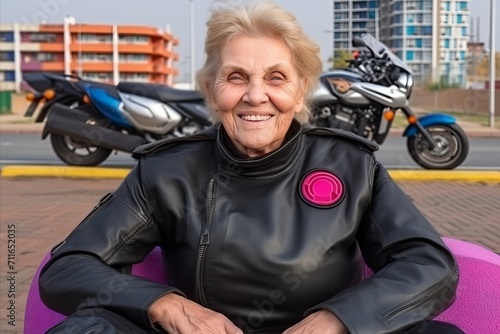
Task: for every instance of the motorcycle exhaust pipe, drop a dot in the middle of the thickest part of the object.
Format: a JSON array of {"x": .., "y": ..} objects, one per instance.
[{"x": 76, "y": 124}]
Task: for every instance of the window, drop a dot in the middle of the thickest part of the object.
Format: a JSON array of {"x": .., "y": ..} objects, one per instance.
[
  {"x": 45, "y": 56},
  {"x": 137, "y": 77},
  {"x": 134, "y": 39},
  {"x": 95, "y": 57},
  {"x": 6, "y": 56},
  {"x": 39, "y": 37},
  {"x": 6, "y": 36},
  {"x": 411, "y": 5},
  {"x": 134, "y": 58},
  {"x": 426, "y": 31},
  {"x": 7, "y": 76},
  {"x": 410, "y": 43},
  {"x": 97, "y": 76},
  {"x": 93, "y": 38}
]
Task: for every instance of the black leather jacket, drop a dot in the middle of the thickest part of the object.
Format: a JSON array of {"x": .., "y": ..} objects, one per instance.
[{"x": 264, "y": 241}]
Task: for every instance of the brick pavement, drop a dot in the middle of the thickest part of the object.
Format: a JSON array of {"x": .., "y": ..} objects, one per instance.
[{"x": 44, "y": 210}]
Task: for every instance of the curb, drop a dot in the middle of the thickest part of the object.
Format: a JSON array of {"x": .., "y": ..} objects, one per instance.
[
  {"x": 37, "y": 128},
  {"x": 472, "y": 176},
  {"x": 64, "y": 172}
]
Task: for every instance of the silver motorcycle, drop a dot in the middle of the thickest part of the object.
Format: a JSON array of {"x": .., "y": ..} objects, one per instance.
[{"x": 365, "y": 97}]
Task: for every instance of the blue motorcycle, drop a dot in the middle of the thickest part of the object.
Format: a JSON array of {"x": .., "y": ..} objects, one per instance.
[{"x": 123, "y": 117}]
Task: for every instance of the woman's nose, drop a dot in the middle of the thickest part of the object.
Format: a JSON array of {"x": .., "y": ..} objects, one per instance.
[{"x": 256, "y": 93}]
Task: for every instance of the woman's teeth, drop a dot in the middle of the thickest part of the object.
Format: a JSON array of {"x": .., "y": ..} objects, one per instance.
[{"x": 255, "y": 118}]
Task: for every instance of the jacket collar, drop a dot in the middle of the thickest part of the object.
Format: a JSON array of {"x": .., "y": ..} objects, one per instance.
[{"x": 268, "y": 165}]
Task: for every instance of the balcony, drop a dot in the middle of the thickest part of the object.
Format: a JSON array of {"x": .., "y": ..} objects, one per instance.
[
  {"x": 7, "y": 65},
  {"x": 31, "y": 66}
]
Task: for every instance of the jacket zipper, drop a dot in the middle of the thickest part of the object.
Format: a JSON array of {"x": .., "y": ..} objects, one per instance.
[
  {"x": 204, "y": 242},
  {"x": 412, "y": 304},
  {"x": 403, "y": 308}
]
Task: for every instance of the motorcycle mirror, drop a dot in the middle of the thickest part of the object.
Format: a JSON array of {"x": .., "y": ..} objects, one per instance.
[
  {"x": 395, "y": 74},
  {"x": 358, "y": 42}
]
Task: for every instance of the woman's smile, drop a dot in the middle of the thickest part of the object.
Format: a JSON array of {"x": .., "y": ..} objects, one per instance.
[{"x": 255, "y": 118}]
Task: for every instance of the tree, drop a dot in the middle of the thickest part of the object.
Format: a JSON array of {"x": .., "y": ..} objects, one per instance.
[
  {"x": 483, "y": 67},
  {"x": 339, "y": 61}
]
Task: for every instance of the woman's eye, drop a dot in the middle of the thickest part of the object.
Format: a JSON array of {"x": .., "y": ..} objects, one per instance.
[
  {"x": 276, "y": 77},
  {"x": 235, "y": 77}
]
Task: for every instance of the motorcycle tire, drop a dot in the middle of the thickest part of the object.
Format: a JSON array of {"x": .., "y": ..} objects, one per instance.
[
  {"x": 77, "y": 153},
  {"x": 451, "y": 150}
]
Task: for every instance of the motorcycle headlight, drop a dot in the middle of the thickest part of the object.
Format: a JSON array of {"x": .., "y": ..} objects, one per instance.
[{"x": 405, "y": 81}]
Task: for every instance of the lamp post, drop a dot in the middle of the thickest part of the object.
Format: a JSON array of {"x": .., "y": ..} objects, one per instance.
[
  {"x": 193, "y": 80},
  {"x": 328, "y": 31},
  {"x": 492, "y": 64}
]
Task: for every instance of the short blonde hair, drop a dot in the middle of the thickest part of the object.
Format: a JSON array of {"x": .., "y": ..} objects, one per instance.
[{"x": 266, "y": 19}]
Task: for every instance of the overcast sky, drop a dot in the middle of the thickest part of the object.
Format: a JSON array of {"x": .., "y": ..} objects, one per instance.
[{"x": 314, "y": 15}]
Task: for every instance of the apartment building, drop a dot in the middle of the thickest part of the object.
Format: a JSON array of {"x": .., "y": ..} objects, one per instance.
[
  {"x": 107, "y": 53},
  {"x": 429, "y": 35},
  {"x": 351, "y": 18}
]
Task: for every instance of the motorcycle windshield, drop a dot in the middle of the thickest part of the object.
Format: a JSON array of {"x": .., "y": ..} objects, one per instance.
[{"x": 379, "y": 49}]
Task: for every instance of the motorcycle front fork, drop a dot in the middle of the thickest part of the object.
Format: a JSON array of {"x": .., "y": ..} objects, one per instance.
[{"x": 413, "y": 119}]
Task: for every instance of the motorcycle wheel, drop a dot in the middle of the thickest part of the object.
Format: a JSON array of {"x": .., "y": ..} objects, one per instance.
[
  {"x": 451, "y": 150},
  {"x": 77, "y": 153}
]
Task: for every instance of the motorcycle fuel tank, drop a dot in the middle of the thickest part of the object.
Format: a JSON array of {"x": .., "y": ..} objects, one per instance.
[
  {"x": 339, "y": 84},
  {"x": 388, "y": 96},
  {"x": 149, "y": 115}
]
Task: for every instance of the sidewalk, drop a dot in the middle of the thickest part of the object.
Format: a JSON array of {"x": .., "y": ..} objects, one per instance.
[{"x": 42, "y": 211}]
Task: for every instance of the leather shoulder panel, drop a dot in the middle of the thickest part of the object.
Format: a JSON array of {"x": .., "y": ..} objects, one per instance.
[
  {"x": 152, "y": 148},
  {"x": 320, "y": 131}
]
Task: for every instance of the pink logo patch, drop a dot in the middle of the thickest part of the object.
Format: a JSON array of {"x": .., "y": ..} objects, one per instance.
[{"x": 322, "y": 188}]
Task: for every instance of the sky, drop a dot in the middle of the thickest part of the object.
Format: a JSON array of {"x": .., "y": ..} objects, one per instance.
[{"x": 314, "y": 15}]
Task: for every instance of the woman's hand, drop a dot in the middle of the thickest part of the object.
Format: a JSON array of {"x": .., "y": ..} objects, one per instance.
[
  {"x": 320, "y": 322},
  {"x": 178, "y": 315}
]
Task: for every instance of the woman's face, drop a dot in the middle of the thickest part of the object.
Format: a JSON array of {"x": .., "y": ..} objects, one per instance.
[{"x": 257, "y": 92}]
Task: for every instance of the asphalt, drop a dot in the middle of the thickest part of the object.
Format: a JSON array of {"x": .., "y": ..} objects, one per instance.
[
  {"x": 16, "y": 123},
  {"x": 40, "y": 205}
]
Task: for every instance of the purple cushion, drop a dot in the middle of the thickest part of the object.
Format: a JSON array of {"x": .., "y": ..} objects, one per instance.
[
  {"x": 477, "y": 305},
  {"x": 475, "y": 309}
]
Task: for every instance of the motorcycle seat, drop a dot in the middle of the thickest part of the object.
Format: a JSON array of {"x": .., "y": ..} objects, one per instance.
[{"x": 160, "y": 92}]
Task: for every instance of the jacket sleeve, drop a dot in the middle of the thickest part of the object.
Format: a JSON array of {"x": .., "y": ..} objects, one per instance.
[
  {"x": 415, "y": 274},
  {"x": 86, "y": 268}
]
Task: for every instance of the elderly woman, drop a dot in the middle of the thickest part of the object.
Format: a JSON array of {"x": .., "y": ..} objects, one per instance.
[{"x": 264, "y": 223}]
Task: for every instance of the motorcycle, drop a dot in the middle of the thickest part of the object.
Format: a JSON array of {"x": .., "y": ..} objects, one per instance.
[
  {"x": 49, "y": 90},
  {"x": 365, "y": 97},
  {"x": 122, "y": 117}
]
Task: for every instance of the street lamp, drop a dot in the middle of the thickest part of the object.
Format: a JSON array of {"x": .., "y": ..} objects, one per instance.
[
  {"x": 492, "y": 64},
  {"x": 193, "y": 80},
  {"x": 328, "y": 31}
]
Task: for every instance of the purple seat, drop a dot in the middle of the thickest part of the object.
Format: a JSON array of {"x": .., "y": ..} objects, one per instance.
[{"x": 475, "y": 309}]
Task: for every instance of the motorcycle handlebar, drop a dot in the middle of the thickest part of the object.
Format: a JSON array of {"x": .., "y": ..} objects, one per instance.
[{"x": 372, "y": 69}]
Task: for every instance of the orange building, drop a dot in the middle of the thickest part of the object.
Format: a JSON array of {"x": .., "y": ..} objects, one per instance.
[{"x": 108, "y": 53}]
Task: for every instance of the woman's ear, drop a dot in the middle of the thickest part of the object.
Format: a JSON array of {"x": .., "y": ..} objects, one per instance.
[
  {"x": 213, "y": 103},
  {"x": 210, "y": 99}
]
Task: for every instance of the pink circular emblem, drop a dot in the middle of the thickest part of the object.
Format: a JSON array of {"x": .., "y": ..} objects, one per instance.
[{"x": 322, "y": 188}]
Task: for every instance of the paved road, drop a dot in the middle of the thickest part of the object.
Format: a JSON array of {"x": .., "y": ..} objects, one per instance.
[
  {"x": 45, "y": 210},
  {"x": 26, "y": 148}
]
